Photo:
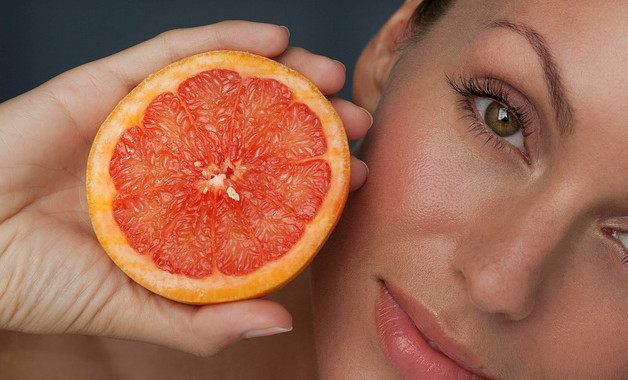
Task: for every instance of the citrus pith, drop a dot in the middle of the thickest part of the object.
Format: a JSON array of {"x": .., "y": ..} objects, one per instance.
[{"x": 218, "y": 178}]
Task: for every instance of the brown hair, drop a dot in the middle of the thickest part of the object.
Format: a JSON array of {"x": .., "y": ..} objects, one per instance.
[{"x": 426, "y": 14}]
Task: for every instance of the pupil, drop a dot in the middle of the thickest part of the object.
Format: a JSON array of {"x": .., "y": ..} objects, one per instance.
[{"x": 502, "y": 115}]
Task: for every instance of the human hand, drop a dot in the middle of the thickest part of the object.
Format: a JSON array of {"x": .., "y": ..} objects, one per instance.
[{"x": 54, "y": 276}]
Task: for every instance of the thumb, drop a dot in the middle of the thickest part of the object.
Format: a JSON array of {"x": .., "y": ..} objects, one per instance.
[
  {"x": 201, "y": 330},
  {"x": 245, "y": 319}
]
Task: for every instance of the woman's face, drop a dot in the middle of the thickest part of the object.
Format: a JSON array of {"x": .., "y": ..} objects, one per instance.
[{"x": 510, "y": 253}]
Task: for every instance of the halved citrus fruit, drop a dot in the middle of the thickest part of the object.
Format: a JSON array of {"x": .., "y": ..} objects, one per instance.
[{"x": 218, "y": 178}]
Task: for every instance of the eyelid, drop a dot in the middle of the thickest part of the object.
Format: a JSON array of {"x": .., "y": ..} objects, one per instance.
[
  {"x": 621, "y": 237},
  {"x": 517, "y": 104},
  {"x": 496, "y": 89}
]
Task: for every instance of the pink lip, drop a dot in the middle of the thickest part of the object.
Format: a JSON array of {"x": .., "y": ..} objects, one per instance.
[{"x": 403, "y": 340}]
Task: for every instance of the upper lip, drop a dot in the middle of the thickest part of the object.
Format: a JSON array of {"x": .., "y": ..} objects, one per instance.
[{"x": 428, "y": 325}]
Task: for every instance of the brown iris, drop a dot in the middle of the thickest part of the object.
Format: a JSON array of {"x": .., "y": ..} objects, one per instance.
[{"x": 500, "y": 120}]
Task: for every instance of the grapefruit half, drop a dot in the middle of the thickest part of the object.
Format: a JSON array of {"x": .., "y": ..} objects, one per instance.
[{"x": 218, "y": 178}]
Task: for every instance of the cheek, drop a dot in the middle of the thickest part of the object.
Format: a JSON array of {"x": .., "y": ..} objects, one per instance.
[
  {"x": 590, "y": 318},
  {"x": 420, "y": 173}
]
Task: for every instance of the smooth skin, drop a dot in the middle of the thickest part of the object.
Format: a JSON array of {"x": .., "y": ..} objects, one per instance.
[
  {"x": 54, "y": 276},
  {"x": 517, "y": 257},
  {"x": 512, "y": 257}
]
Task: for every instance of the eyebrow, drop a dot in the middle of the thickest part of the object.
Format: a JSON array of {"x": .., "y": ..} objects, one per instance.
[{"x": 564, "y": 111}]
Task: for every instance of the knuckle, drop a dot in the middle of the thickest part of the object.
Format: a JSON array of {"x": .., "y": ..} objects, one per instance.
[
  {"x": 208, "y": 349},
  {"x": 168, "y": 41}
]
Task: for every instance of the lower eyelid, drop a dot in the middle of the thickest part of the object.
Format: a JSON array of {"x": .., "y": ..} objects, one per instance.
[
  {"x": 619, "y": 237},
  {"x": 476, "y": 107},
  {"x": 477, "y": 126}
]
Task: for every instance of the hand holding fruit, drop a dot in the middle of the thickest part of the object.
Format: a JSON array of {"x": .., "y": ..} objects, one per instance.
[{"x": 54, "y": 276}]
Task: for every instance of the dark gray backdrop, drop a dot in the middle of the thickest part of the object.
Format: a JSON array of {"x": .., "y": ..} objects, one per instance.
[{"x": 42, "y": 38}]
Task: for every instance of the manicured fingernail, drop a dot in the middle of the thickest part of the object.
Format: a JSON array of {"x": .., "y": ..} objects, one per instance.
[
  {"x": 370, "y": 116},
  {"x": 343, "y": 65},
  {"x": 365, "y": 167},
  {"x": 265, "y": 332},
  {"x": 286, "y": 28}
]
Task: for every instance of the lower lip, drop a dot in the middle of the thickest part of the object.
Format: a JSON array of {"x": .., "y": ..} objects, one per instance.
[{"x": 410, "y": 354}]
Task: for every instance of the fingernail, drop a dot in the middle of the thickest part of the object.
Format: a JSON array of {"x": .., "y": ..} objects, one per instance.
[
  {"x": 366, "y": 167},
  {"x": 286, "y": 28},
  {"x": 265, "y": 332},
  {"x": 371, "y": 116},
  {"x": 343, "y": 65}
]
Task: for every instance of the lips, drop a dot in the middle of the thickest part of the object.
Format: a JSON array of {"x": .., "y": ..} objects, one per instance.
[{"x": 419, "y": 354}]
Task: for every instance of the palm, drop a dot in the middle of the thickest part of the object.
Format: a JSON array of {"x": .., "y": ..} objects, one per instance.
[{"x": 46, "y": 228}]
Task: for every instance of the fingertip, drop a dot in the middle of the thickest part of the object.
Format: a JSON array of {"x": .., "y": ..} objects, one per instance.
[
  {"x": 257, "y": 333},
  {"x": 368, "y": 115},
  {"x": 356, "y": 120},
  {"x": 205, "y": 330},
  {"x": 342, "y": 65},
  {"x": 337, "y": 77},
  {"x": 286, "y": 29},
  {"x": 241, "y": 320},
  {"x": 359, "y": 173},
  {"x": 134, "y": 64},
  {"x": 269, "y": 40},
  {"x": 327, "y": 74},
  {"x": 279, "y": 38}
]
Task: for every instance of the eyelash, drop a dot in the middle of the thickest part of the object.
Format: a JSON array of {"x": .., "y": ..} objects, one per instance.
[{"x": 470, "y": 88}]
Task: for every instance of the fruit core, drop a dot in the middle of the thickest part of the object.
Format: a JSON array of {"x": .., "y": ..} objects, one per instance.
[{"x": 221, "y": 176}]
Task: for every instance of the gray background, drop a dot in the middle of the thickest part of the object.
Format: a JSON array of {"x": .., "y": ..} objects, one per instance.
[{"x": 42, "y": 38}]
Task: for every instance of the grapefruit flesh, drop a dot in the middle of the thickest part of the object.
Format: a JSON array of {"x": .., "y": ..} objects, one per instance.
[{"x": 218, "y": 178}]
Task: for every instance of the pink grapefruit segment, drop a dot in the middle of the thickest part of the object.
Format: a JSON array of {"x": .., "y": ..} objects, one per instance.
[{"x": 218, "y": 178}]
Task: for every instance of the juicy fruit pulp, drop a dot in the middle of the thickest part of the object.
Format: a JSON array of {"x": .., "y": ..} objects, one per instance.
[
  {"x": 222, "y": 175},
  {"x": 218, "y": 178}
]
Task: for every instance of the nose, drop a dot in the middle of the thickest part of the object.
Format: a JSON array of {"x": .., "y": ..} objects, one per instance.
[{"x": 507, "y": 258}]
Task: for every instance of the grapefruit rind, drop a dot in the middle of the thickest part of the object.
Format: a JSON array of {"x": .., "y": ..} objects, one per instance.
[{"x": 217, "y": 287}]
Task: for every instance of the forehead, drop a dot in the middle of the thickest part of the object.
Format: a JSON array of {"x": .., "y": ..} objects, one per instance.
[
  {"x": 580, "y": 28},
  {"x": 587, "y": 40},
  {"x": 595, "y": 19}
]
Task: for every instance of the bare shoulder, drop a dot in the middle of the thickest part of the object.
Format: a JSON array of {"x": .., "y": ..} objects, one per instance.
[{"x": 291, "y": 355}]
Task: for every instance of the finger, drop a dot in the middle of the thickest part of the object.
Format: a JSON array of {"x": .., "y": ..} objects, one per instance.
[
  {"x": 135, "y": 63},
  {"x": 359, "y": 173},
  {"x": 203, "y": 330},
  {"x": 356, "y": 120},
  {"x": 327, "y": 74},
  {"x": 91, "y": 91}
]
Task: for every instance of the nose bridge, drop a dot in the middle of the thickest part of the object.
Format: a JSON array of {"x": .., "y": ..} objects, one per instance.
[
  {"x": 538, "y": 224},
  {"x": 505, "y": 267}
]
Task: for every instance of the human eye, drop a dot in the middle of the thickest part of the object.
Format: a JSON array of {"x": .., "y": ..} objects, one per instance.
[{"x": 502, "y": 121}]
